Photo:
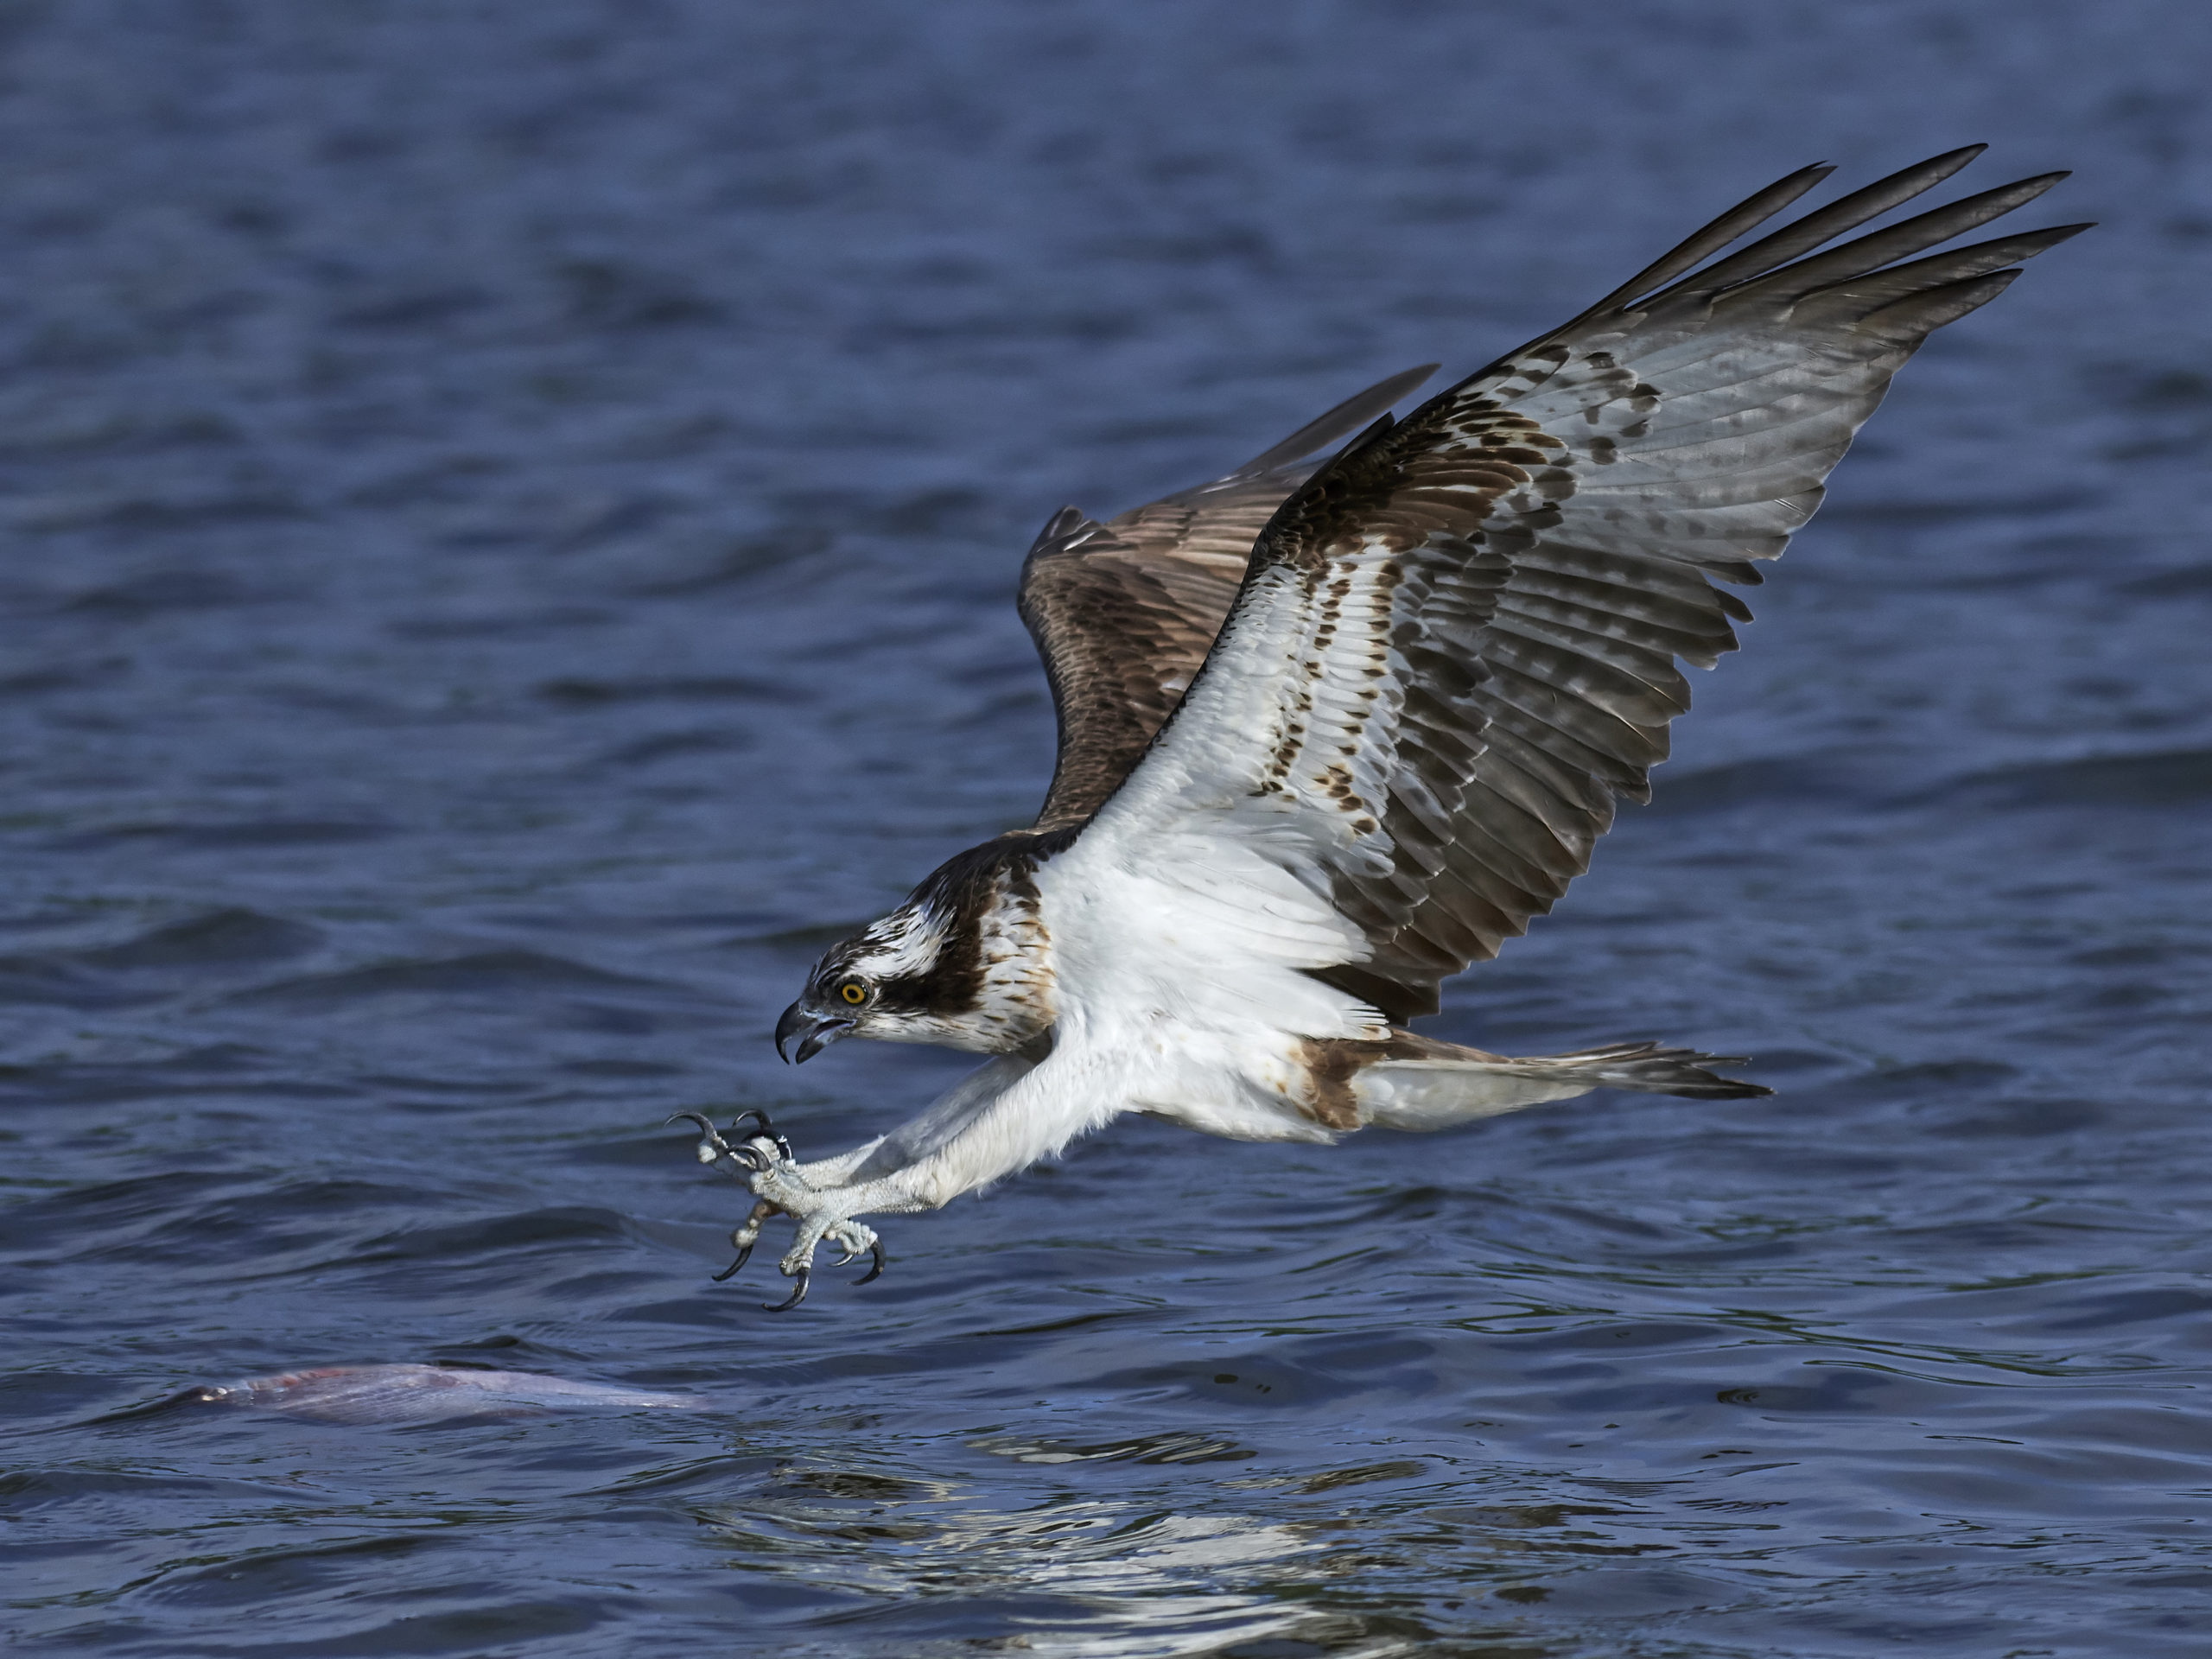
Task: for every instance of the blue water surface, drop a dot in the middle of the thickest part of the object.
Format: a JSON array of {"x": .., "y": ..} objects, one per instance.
[{"x": 508, "y": 519}]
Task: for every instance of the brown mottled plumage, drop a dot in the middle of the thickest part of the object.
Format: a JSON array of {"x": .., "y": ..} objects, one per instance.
[{"x": 1551, "y": 691}]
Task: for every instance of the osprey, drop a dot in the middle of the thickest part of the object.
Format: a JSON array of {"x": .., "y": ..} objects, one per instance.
[{"x": 1330, "y": 733}]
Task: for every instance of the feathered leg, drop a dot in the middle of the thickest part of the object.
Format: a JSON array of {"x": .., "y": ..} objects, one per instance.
[
  {"x": 1438, "y": 1085},
  {"x": 972, "y": 1135}
]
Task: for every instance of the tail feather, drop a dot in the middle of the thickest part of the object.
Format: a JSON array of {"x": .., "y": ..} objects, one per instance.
[{"x": 1657, "y": 1070}]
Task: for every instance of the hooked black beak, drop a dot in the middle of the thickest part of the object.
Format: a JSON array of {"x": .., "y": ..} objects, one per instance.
[{"x": 820, "y": 1030}]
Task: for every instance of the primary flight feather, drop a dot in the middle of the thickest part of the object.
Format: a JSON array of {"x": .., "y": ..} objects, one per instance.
[{"x": 1331, "y": 732}]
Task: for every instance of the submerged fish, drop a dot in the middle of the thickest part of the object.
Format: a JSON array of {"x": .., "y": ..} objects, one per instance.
[{"x": 424, "y": 1394}]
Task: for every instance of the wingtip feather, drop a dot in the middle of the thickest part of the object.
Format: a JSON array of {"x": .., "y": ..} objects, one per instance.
[{"x": 1355, "y": 411}]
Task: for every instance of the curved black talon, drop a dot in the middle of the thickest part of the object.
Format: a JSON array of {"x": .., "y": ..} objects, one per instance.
[
  {"x": 706, "y": 1127},
  {"x": 875, "y": 1272},
  {"x": 711, "y": 1137},
  {"x": 797, "y": 1295},
  {"x": 730, "y": 1272},
  {"x": 766, "y": 1128}
]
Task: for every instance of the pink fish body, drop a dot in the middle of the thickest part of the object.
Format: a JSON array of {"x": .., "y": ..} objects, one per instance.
[{"x": 428, "y": 1394}]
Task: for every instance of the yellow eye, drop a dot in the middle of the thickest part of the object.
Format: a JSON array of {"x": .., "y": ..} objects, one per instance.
[{"x": 854, "y": 992}]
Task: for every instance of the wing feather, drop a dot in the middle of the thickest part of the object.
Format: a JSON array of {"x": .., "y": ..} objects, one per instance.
[
  {"x": 1123, "y": 612},
  {"x": 1456, "y": 643}
]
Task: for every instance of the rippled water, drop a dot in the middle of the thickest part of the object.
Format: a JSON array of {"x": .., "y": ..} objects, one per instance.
[{"x": 509, "y": 518}]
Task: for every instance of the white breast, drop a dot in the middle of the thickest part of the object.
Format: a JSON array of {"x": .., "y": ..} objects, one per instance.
[{"x": 1182, "y": 978}]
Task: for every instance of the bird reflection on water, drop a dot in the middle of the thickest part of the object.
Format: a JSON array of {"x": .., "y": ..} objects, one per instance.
[{"x": 1121, "y": 1580}]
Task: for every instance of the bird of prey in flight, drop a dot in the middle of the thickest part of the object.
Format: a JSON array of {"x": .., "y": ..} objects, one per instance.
[{"x": 1330, "y": 731}]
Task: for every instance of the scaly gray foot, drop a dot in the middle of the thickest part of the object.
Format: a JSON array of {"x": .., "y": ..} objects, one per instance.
[{"x": 763, "y": 1161}]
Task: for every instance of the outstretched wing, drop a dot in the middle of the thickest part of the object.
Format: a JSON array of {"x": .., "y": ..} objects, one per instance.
[
  {"x": 1124, "y": 611},
  {"x": 1456, "y": 643}
]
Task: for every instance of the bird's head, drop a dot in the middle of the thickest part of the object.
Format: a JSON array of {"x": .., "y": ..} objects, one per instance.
[{"x": 882, "y": 982}]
